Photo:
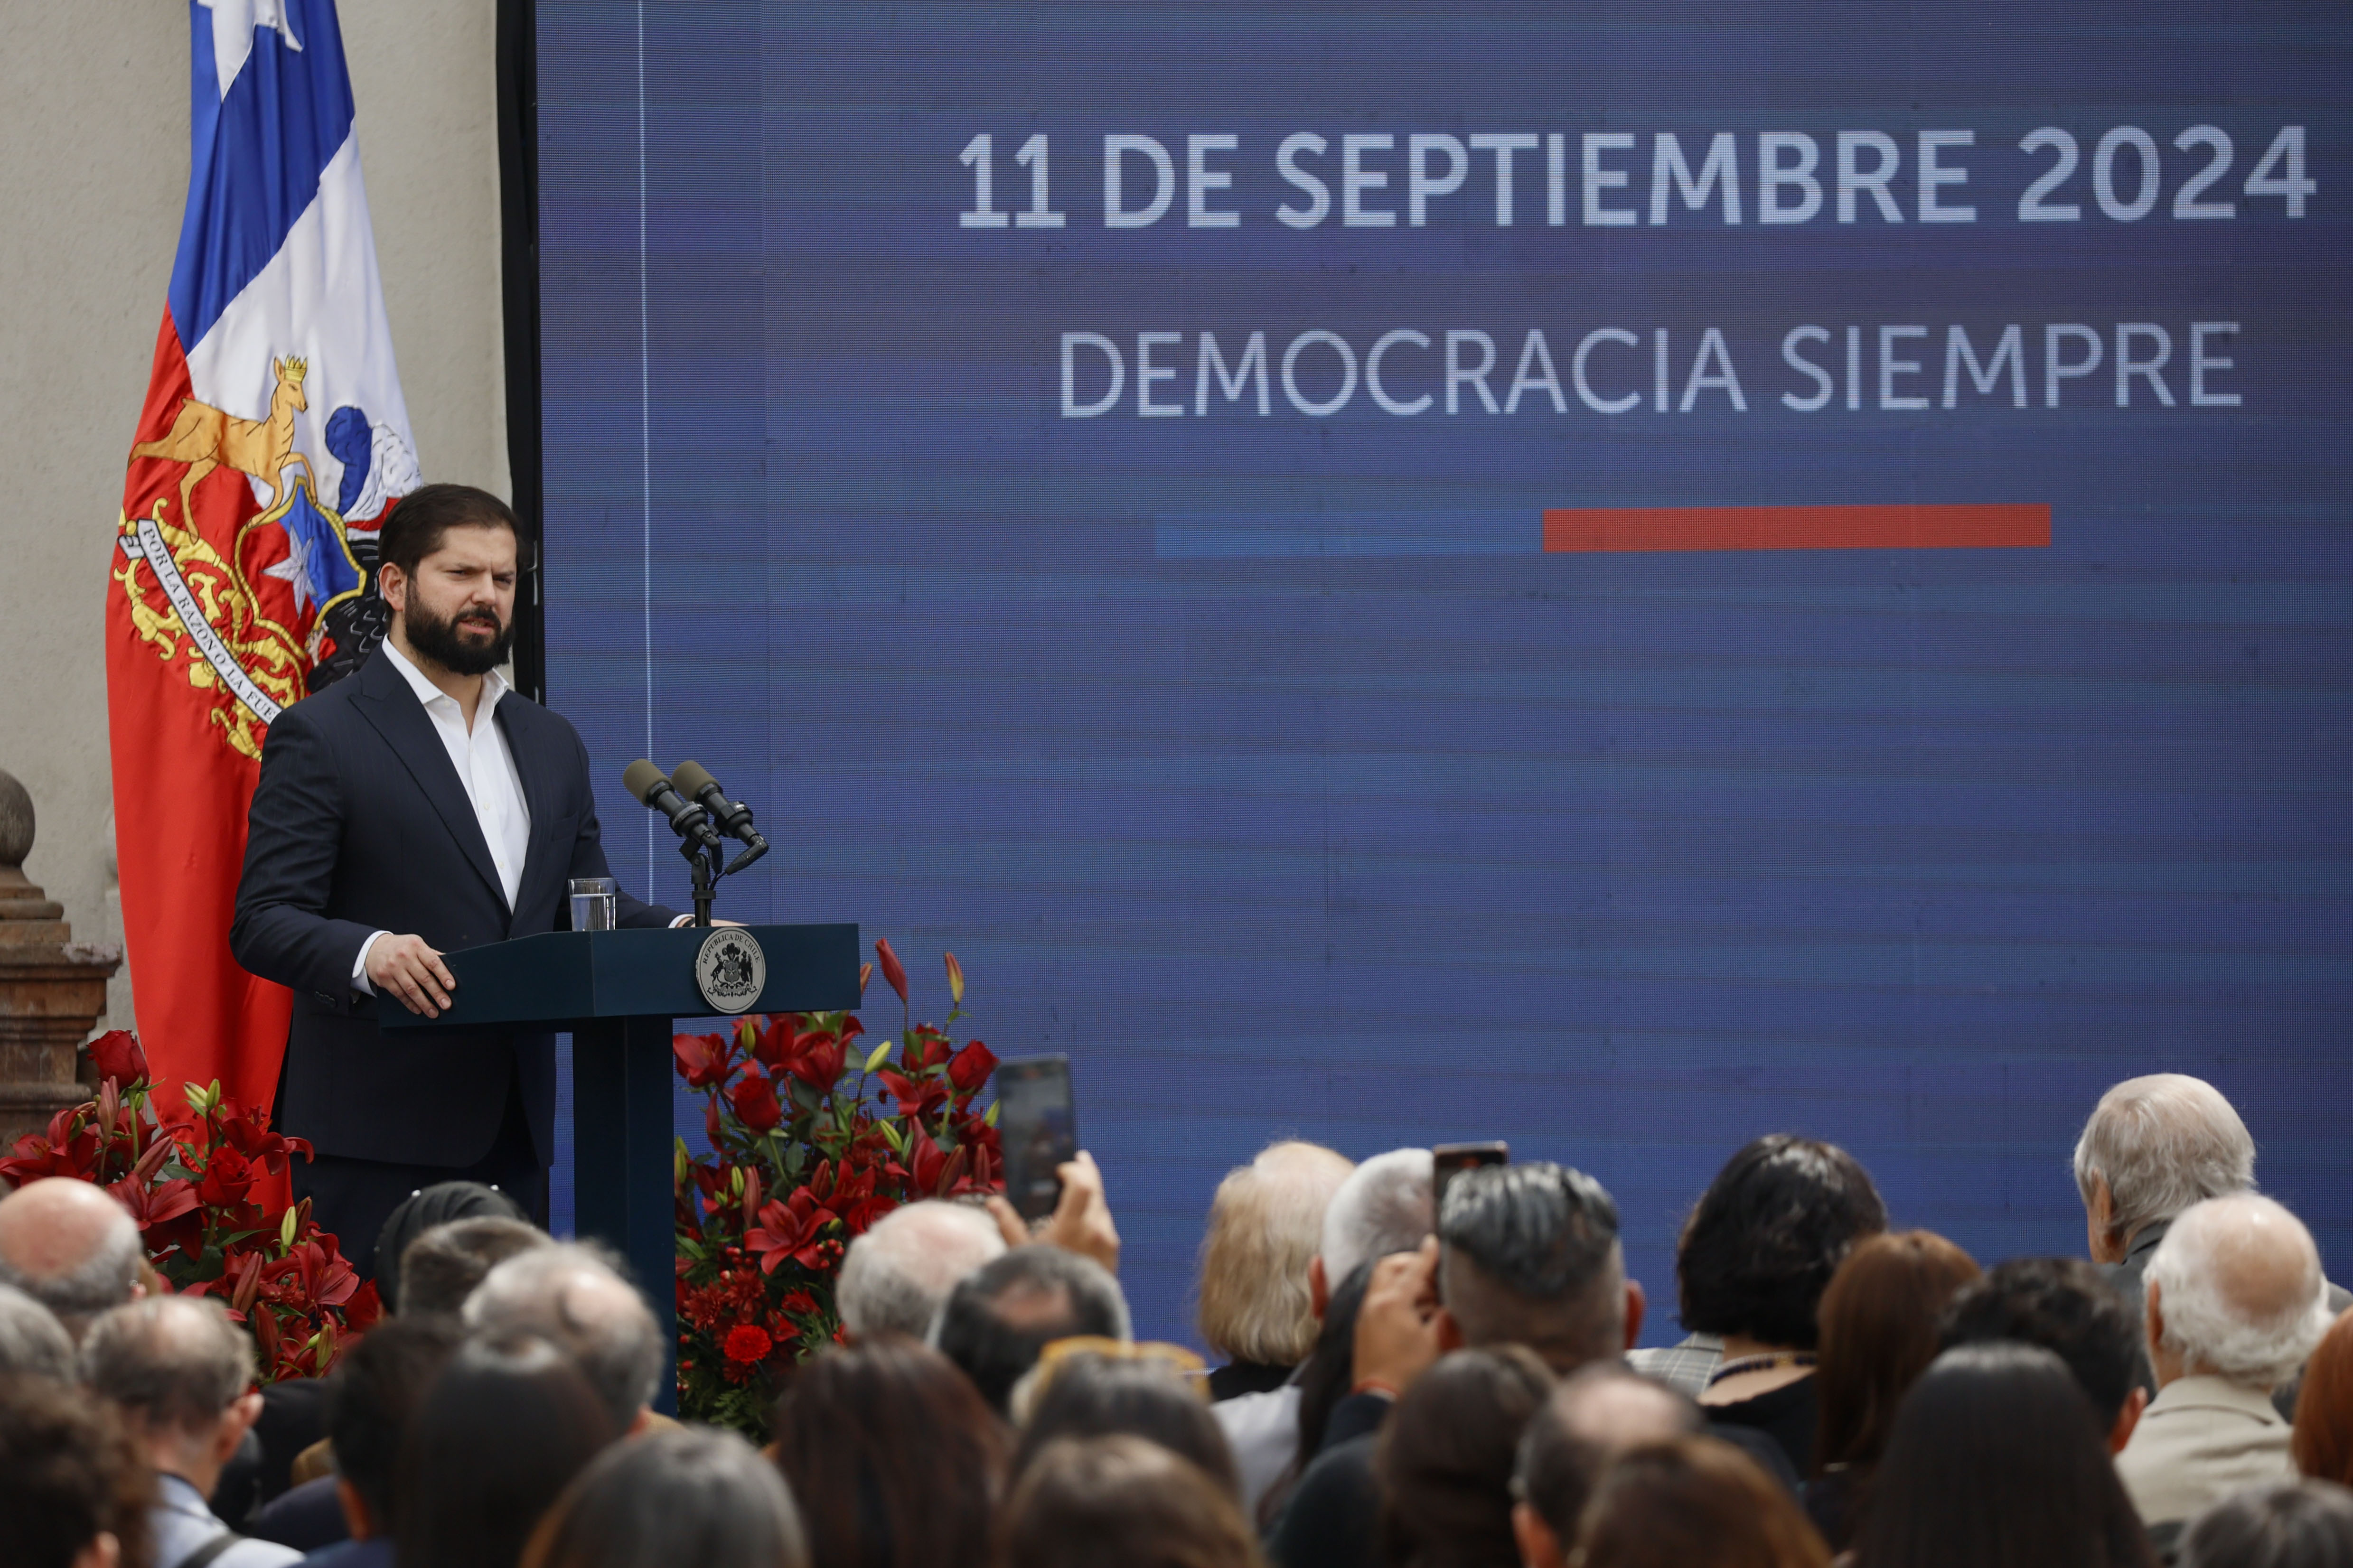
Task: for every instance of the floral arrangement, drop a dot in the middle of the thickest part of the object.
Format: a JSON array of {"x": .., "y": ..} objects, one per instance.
[
  {"x": 812, "y": 1139},
  {"x": 197, "y": 1187}
]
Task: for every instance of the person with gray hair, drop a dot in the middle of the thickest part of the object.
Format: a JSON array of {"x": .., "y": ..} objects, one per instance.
[
  {"x": 698, "y": 1496},
  {"x": 445, "y": 1264},
  {"x": 69, "y": 1245},
  {"x": 1386, "y": 1205},
  {"x": 180, "y": 1374},
  {"x": 574, "y": 1295},
  {"x": 2154, "y": 1146},
  {"x": 33, "y": 1343},
  {"x": 2236, "y": 1302},
  {"x": 897, "y": 1276},
  {"x": 1382, "y": 1206}
]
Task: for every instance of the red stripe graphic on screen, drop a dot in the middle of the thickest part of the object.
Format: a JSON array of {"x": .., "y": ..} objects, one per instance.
[{"x": 1989, "y": 526}]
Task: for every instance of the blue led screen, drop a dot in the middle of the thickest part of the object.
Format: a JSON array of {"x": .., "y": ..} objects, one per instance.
[{"x": 1173, "y": 503}]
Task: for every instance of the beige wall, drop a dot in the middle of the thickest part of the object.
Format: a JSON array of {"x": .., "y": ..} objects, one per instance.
[{"x": 93, "y": 172}]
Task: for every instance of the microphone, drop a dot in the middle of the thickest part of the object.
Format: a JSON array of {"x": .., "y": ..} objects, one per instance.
[
  {"x": 644, "y": 779},
  {"x": 694, "y": 781}
]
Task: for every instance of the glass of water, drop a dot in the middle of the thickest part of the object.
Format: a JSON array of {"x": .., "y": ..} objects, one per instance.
[{"x": 595, "y": 903}]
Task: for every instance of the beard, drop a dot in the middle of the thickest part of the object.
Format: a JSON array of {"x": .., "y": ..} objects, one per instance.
[{"x": 439, "y": 639}]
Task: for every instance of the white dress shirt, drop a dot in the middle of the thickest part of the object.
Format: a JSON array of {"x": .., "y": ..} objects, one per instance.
[{"x": 487, "y": 770}]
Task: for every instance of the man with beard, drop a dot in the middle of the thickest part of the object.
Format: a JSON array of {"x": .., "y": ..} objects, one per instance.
[{"x": 416, "y": 807}]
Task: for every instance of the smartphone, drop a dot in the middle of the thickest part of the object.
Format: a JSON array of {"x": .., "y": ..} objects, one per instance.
[
  {"x": 1448, "y": 1159},
  {"x": 1037, "y": 1128}
]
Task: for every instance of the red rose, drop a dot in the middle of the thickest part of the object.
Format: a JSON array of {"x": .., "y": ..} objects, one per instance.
[
  {"x": 970, "y": 1067},
  {"x": 117, "y": 1059},
  {"x": 755, "y": 1099},
  {"x": 227, "y": 1178},
  {"x": 746, "y": 1342}
]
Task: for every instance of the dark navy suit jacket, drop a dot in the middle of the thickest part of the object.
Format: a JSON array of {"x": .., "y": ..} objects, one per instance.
[{"x": 360, "y": 825}]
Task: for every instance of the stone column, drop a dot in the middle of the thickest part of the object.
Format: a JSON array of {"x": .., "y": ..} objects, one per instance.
[{"x": 52, "y": 988}]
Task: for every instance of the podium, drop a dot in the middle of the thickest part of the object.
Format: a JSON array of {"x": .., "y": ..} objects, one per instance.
[{"x": 618, "y": 992}]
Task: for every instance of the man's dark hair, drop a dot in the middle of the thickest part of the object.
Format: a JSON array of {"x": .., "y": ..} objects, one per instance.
[
  {"x": 1002, "y": 1314},
  {"x": 413, "y": 529},
  {"x": 1764, "y": 1240},
  {"x": 372, "y": 1391},
  {"x": 1531, "y": 1259},
  {"x": 491, "y": 1444},
  {"x": 442, "y": 1266},
  {"x": 1093, "y": 1395},
  {"x": 68, "y": 1473},
  {"x": 2305, "y": 1524},
  {"x": 2066, "y": 1306},
  {"x": 1569, "y": 1441}
]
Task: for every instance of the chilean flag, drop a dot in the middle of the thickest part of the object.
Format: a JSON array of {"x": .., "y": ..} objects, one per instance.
[{"x": 273, "y": 440}]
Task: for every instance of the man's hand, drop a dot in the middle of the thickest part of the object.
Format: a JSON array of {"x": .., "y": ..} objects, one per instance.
[
  {"x": 403, "y": 966},
  {"x": 1081, "y": 1222},
  {"x": 1397, "y": 1328}
]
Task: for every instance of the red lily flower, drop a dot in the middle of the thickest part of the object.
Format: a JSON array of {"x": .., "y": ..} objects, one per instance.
[
  {"x": 819, "y": 1060},
  {"x": 792, "y": 1228},
  {"x": 702, "y": 1060},
  {"x": 917, "y": 1097},
  {"x": 167, "y": 1214},
  {"x": 892, "y": 970}
]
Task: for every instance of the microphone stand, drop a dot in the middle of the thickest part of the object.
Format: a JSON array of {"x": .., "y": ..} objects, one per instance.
[{"x": 703, "y": 866}]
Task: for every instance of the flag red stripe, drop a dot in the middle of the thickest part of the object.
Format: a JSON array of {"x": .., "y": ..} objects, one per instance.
[
  {"x": 1973, "y": 526},
  {"x": 180, "y": 801}
]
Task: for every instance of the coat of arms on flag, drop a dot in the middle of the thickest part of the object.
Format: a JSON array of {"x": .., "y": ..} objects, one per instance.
[{"x": 271, "y": 444}]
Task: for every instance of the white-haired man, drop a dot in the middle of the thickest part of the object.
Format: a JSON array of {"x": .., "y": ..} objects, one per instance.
[
  {"x": 897, "y": 1276},
  {"x": 1385, "y": 1206},
  {"x": 2236, "y": 1302},
  {"x": 573, "y": 1295},
  {"x": 69, "y": 1245},
  {"x": 2153, "y": 1147}
]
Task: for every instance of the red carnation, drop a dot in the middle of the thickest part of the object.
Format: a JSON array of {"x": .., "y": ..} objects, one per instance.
[
  {"x": 118, "y": 1057},
  {"x": 746, "y": 1342}
]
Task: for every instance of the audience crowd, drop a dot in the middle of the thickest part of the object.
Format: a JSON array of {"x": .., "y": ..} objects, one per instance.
[{"x": 1402, "y": 1380}]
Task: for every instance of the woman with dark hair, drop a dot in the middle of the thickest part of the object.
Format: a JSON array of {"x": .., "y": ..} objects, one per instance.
[
  {"x": 697, "y": 1497},
  {"x": 2307, "y": 1524},
  {"x": 893, "y": 1457},
  {"x": 1751, "y": 1266},
  {"x": 1122, "y": 1500},
  {"x": 496, "y": 1439},
  {"x": 1879, "y": 1321},
  {"x": 1323, "y": 1382},
  {"x": 2323, "y": 1443},
  {"x": 1086, "y": 1395},
  {"x": 1445, "y": 1459},
  {"x": 1997, "y": 1460},
  {"x": 1694, "y": 1502}
]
